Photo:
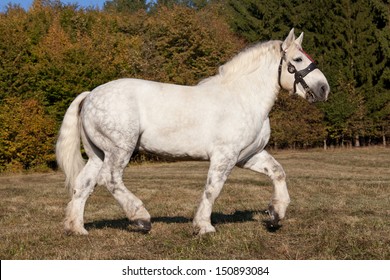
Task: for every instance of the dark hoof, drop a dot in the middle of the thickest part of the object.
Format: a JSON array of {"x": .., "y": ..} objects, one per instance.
[
  {"x": 274, "y": 223},
  {"x": 142, "y": 225},
  {"x": 271, "y": 226}
]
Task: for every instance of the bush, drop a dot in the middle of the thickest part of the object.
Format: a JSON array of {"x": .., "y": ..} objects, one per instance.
[{"x": 27, "y": 135}]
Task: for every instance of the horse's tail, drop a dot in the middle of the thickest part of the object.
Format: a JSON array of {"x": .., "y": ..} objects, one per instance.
[{"x": 68, "y": 152}]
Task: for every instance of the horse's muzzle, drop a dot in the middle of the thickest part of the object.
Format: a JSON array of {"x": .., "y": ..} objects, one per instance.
[{"x": 320, "y": 93}]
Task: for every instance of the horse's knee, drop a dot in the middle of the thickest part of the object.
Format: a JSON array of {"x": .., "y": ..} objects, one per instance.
[
  {"x": 278, "y": 173},
  {"x": 83, "y": 188}
]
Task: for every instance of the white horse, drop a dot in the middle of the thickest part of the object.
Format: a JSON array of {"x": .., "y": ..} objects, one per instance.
[{"x": 223, "y": 119}]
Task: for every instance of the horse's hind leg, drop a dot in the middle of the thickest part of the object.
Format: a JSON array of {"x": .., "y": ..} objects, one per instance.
[
  {"x": 85, "y": 183},
  {"x": 266, "y": 164},
  {"x": 84, "y": 186},
  {"x": 110, "y": 175}
]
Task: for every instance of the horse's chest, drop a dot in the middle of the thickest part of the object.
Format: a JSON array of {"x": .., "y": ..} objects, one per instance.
[{"x": 258, "y": 143}]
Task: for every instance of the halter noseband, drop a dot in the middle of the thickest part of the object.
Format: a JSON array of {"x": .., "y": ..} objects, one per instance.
[{"x": 298, "y": 75}]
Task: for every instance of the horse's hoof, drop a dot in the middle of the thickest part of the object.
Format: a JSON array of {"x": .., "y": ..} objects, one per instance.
[
  {"x": 204, "y": 230},
  {"x": 72, "y": 228},
  {"x": 69, "y": 232},
  {"x": 274, "y": 223},
  {"x": 143, "y": 225}
]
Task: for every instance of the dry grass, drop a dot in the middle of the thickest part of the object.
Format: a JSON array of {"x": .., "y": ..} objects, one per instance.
[{"x": 340, "y": 210}]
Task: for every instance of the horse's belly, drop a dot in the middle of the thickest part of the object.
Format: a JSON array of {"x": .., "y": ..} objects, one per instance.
[{"x": 174, "y": 144}]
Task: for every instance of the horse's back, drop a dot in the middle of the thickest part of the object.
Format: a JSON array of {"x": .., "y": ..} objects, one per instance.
[
  {"x": 171, "y": 120},
  {"x": 166, "y": 118}
]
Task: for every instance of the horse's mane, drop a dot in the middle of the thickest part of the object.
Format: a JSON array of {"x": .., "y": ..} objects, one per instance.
[{"x": 247, "y": 61}]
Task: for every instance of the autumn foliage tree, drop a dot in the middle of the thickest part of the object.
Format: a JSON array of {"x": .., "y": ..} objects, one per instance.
[
  {"x": 53, "y": 51},
  {"x": 26, "y": 135}
]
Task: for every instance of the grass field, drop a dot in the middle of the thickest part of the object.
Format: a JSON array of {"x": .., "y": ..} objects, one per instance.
[{"x": 340, "y": 209}]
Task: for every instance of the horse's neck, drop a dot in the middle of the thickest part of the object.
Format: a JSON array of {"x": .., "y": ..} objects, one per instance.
[
  {"x": 255, "y": 83},
  {"x": 260, "y": 88}
]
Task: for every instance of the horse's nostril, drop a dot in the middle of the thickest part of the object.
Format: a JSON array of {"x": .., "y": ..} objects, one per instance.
[{"x": 324, "y": 91}]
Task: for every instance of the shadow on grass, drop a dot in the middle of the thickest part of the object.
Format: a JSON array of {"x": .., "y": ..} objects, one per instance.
[
  {"x": 125, "y": 224},
  {"x": 245, "y": 216},
  {"x": 117, "y": 224},
  {"x": 236, "y": 217},
  {"x": 216, "y": 218}
]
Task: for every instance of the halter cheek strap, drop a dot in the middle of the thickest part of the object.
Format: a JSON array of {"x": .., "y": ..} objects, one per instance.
[
  {"x": 281, "y": 64},
  {"x": 299, "y": 75}
]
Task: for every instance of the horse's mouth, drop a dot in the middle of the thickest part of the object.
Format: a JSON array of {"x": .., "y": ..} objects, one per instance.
[{"x": 321, "y": 95}]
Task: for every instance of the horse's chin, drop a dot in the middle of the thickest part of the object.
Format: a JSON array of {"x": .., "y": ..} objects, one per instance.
[{"x": 311, "y": 99}]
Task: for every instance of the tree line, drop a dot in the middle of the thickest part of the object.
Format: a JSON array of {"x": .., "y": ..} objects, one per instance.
[{"x": 54, "y": 51}]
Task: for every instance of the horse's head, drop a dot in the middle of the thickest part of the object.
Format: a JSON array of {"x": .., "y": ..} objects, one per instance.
[{"x": 298, "y": 72}]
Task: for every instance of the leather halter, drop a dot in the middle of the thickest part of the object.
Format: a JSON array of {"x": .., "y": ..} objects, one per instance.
[{"x": 298, "y": 75}]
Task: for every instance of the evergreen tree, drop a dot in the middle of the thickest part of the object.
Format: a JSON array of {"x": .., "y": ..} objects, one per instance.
[
  {"x": 259, "y": 20},
  {"x": 361, "y": 33},
  {"x": 349, "y": 40}
]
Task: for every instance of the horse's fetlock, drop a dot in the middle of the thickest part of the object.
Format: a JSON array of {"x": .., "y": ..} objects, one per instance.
[
  {"x": 140, "y": 212},
  {"x": 278, "y": 208}
]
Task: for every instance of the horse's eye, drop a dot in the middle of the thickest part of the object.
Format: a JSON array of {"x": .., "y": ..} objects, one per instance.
[{"x": 298, "y": 59}]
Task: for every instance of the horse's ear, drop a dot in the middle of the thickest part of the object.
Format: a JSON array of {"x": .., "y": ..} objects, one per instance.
[
  {"x": 289, "y": 40},
  {"x": 299, "y": 40}
]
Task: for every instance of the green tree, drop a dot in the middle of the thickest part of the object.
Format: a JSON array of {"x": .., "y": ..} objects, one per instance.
[
  {"x": 259, "y": 20},
  {"x": 350, "y": 42},
  {"x": 378, "y": 103},
  {"x": 361, "y": 33},
  {"x": 296, "y": 123},
  {"x": 345, "y": 115}
]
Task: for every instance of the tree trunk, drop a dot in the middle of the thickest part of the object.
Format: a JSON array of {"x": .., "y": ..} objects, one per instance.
[{"x": 357, "y": 142}]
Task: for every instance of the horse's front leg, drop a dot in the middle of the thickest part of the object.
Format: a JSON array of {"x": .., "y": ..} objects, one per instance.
[
  {"x": 264, "y": 163},
  {"x": 220, "y": 168}
]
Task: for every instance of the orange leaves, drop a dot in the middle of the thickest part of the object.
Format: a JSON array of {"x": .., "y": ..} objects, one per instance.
[
  {"x": 54, "y": 51},
  {"x": 56, "y": 42},
  {"x": 185, "y": 45},
  {"x": 26, "y": 134}
]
